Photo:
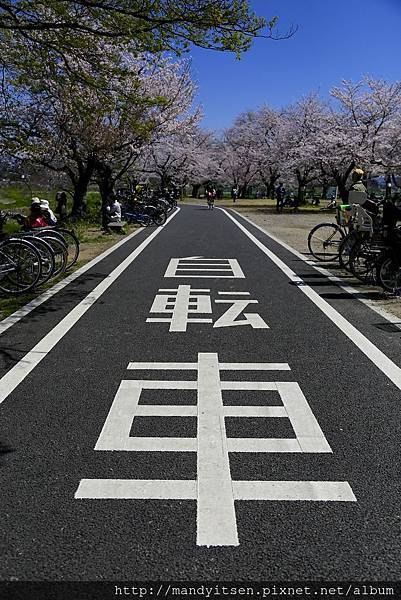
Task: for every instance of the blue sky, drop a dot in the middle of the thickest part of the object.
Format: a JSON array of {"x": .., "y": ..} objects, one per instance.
[{"x": 336, "y": 39}]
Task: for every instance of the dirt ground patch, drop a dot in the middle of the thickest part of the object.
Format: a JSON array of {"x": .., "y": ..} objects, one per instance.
[
  {"x": 294, "y": 228},
  {"x": 93, "y": 242}
]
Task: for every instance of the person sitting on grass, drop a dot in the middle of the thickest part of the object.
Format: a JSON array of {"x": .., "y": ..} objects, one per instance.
[
  {"x": 112, "y": 211},
  {"x": 47, "y": 213},
  {"x": 35, "y": 218}
]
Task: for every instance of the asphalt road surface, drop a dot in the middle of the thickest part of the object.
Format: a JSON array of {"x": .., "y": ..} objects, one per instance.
[{"x": 200, "y": 404}]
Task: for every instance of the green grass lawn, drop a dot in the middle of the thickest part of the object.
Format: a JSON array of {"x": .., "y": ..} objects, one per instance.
[{"x": 16, "y": 197}]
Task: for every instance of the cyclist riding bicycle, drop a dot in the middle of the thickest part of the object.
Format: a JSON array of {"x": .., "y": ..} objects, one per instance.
[{"x": 210, "y": 196}]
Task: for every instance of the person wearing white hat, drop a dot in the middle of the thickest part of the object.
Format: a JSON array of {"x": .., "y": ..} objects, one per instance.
[{"x": 47, "y": 212}]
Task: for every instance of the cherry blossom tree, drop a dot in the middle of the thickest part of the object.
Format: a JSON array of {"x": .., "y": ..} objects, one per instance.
[
  {"x": 166, "y": 109},
  {"x": 181, "y": 158},
  {"x": 240, "y": 158},
  {"x": 270, "y": 146},
  {"x": 302, "y": 126},
  {"x": 86, "y": 132},
  {"x": 358, "y": 127}
]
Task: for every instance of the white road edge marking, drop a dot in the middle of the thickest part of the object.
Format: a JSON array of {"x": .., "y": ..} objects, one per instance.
[
  {"x": 17, "y": 374},
  {"x": 378, "y": 358},
  {"x": 25, "y": 310}
]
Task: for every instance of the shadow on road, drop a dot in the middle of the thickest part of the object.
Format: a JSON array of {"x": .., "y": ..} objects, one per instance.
[
  {"x": 345, "y": 296},
  {"x": 4, "y": 449},
  {"x": 389, "y": 327}
]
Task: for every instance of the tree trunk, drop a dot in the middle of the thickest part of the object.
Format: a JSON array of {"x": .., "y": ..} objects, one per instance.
[
  {"x": 301, "y": 187},
  {"x": 242, "y": 191},
  {"x": 106, "y": 183},
  {"x": 272, "y": 185},
  {"x": 341, "y": 181},
  {"x": 195, "y": 190},
  {"x": 164, "y": 181},
  {"x": 81, "y": 184},
  {"x": 388, "y": 186}
]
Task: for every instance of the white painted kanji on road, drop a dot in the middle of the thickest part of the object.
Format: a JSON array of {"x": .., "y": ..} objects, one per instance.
[
  {"x": 236, "y": 308},
  {"x": 214, "y": 490},
  {"x": 183, "y": 302},
  {"x": 200, "y": 267}
]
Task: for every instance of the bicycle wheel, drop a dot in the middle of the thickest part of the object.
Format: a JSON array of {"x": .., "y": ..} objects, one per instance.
[
  {"x": 345, "y": 249},
  {"x": 363, "y": 261},
  {"x": 388, "y": 273},
  {"x": 72, "y": 246},
  {"x": 49, "y": 231},
  {"x": 60, "y": 253},
  {"x": 20, "y": 267},
  {"x": 324, "y": 241},
  {"x": 159, "y": 218},
  {"x": 47, "y": 257},
  {"x": 144, "y": 220}
]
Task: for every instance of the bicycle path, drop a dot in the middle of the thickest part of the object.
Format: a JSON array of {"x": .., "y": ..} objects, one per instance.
[{"x": 147, "y": 435}]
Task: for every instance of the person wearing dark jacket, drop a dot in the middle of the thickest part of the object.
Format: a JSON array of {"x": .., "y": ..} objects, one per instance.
[{"x": 280, "y": 197}]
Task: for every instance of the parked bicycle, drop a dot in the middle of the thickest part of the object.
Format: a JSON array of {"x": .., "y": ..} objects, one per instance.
[
  {"x": 324, "y": 239},
  {"x": 366, "y": 241},
  {"x": 34, "y": 255}
]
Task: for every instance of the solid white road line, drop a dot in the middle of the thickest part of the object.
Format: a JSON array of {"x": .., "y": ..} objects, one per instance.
[
  {"x": 309, "y": 435},
  {"x": 156, "y": 444},
  {"x": 216, "y": 521},
  {"x": 17, "y": 374},
  {"x": 136, "y": 489},
  {"x": 186, "y": 366},
  {"x": 115, "y": 434},
  {"x": 166, "y": 410},
  {"x": 376, "y": 356},
  {"x": 25, "y": 310},
  {"x": 234, "y": 293},
  {"x": 193, "y": 291},
  {"x": 254, "y": 367},
  {"x": 268, "y": 445},
  {"x": 163, "y": 366},
  {"x": 148, "y": 384},
  {"x": 149, "y": 489},
  {"x": 323, "y": 491},
  {"x": 249, "y": 385},
  {"x": 273, "y": 412}
]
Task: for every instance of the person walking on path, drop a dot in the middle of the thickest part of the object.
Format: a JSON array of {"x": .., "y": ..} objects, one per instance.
[{"x": 280, "y": 197}]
